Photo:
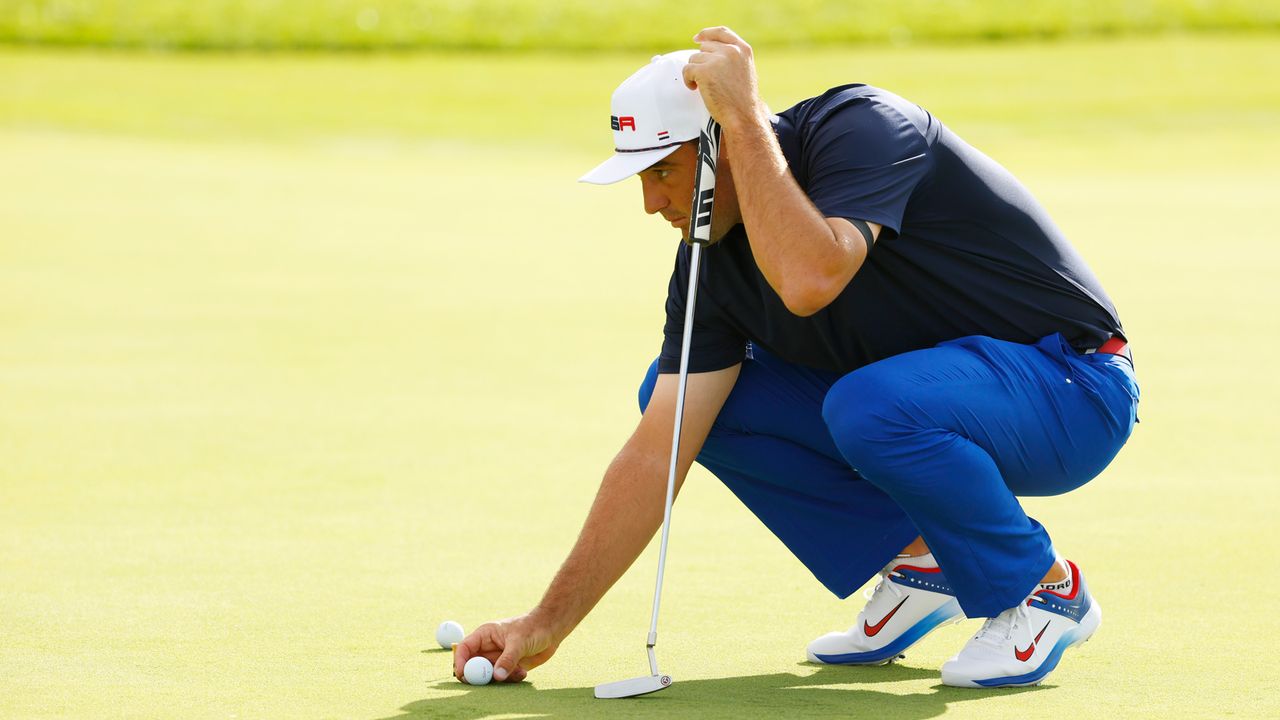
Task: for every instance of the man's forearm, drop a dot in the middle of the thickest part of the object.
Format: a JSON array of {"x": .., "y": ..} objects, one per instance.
[
  {"x": 626, "y": 513},
  {"x": 628, "y": 507},
  {"x": 804, "y": 260}
]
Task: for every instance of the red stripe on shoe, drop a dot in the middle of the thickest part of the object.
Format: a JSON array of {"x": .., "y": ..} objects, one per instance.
[
  {"x": 918, "y": 569},
  {"x": 1075, "y": 585}
]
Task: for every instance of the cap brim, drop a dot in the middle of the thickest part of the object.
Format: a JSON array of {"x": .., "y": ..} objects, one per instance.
[{"x": 625, "y": 164}]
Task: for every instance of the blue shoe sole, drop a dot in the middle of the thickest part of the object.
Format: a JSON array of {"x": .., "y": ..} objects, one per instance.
[{"x": 948, "y": 613}]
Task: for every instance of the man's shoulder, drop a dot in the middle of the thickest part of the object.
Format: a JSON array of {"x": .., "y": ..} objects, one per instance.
[
  {"x": 884, "y": 127},
  {"x": 854, "y": 98}
]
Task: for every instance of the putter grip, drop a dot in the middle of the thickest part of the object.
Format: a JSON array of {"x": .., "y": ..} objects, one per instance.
[{"x": 704, "y": 183}]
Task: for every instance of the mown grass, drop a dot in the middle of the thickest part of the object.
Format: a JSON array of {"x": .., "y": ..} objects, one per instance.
[
  {"x": 593, "y": 25},
  {"x": 1094, "y": 94},
  {"x": 302, "y": 355}
]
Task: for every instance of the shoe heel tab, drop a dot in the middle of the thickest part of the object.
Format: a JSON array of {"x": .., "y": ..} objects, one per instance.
[{"x": 1077, "y": 582}]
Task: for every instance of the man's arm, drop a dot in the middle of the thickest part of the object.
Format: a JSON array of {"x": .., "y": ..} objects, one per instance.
[
  {"x": 624, "y": 517},
  {"x": 807, "y": 259}
]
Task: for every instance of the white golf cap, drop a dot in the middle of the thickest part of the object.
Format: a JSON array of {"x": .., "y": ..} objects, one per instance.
[{"x": 652, "y": 113}]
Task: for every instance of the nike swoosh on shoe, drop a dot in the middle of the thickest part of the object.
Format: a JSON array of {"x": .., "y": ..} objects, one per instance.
[{"x": 873, "y": 630}]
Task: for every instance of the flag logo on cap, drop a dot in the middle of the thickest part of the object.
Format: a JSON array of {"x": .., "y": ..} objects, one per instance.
[{"x": 663, "y": 135}]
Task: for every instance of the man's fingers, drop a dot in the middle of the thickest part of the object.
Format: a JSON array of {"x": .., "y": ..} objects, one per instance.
[
  {"x": 483, "y": 639},
  {"x": 719, "y": 33},
  {"x": 504, "y": 644},
  {"x": 708, "y": 48},
  {"x": 461, "y": 654},
  {"x": 689, "y": 80},
  {"x": 509, "y": 662},
  {"x": 702, "y": 57}
]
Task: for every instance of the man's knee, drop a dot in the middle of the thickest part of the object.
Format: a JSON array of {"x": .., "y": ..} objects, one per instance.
[
  {"x": 864, "y": 413},
  {"x": 647, "y": 385}
]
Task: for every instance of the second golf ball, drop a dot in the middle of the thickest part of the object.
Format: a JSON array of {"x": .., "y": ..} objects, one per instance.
[
  {"x": 478, "y": 671},
  {"x": 449, "y": 633}
]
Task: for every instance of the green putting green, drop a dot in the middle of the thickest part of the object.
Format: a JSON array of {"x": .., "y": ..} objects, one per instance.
[{"x": 302, "y": 356}]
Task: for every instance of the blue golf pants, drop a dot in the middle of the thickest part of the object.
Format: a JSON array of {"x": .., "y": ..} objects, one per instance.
[{"x": 848, "y": 470}]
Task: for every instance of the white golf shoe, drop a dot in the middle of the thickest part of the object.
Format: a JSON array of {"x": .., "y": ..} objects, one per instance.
[
  {"x": 1023, "y": 644},
  {"x": 905, "y": 605}
]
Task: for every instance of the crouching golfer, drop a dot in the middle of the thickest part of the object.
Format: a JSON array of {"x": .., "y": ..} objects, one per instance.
[{"x": 893, "y": 342}]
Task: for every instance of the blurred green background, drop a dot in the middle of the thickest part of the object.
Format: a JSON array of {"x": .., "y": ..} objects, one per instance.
[
  {"x": 586, "y": 25},
  {"x": 304, "y": 352}
]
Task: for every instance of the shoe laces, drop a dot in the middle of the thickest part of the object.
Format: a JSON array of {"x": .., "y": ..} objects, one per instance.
[
  {"x": 885, "y": 576},
  {"x": 997, "y": 631}
]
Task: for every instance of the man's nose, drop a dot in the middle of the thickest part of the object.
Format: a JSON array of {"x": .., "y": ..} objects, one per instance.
[{"x": 654, "y": 198}]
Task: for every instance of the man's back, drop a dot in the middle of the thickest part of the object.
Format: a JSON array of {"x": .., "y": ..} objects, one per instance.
[{"x": 965, "y": 248}]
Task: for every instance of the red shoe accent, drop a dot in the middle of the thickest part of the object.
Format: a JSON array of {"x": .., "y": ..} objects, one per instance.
[
  {"x": 1075, "y": 585},
  {"x": 1024, "y": 655},
  {"x": 873, "y": 630},
  {"x": 917, "y": 569}
]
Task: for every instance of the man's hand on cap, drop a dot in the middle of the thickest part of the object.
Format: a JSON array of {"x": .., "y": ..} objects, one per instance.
[{"x": 723, "y": 71}]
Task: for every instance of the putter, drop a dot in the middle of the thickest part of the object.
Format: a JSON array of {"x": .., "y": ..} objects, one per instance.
[{"x": 704, "y": 185}]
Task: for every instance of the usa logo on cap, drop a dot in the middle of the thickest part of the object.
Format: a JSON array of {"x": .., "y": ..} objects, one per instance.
[{"x": 651, "y": 114}]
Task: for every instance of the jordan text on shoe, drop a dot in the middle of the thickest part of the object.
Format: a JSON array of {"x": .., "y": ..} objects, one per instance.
[{"x": 1023, "y": 644}]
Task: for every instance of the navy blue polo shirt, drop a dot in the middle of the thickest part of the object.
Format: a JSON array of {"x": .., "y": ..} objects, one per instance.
[{"x": 965, "y": 250}]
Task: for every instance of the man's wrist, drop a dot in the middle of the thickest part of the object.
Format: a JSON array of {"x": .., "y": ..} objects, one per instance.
[
  {"x": 745, "y": 125},
  {"x": 556, "y": 621},
  {"x": 748, "y": 139}
]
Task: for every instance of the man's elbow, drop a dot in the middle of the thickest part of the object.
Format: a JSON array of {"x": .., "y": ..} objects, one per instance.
[
  {"x": 813, "y": 286},
  {"x": 812, "y": 295}
]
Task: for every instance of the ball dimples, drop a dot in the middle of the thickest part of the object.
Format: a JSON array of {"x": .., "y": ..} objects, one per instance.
[
  {"x": 449, "y": 633},
  {"x": 478, "y": 671}
]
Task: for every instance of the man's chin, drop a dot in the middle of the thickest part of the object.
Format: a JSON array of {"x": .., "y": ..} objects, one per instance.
[{"x": 717, "y": 234}]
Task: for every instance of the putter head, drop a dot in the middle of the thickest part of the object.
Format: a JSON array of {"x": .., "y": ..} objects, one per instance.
[{"x": 633, "y": 687}]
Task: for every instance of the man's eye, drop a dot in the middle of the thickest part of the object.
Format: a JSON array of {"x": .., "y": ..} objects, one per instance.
[{"x": 662, "y": 174}]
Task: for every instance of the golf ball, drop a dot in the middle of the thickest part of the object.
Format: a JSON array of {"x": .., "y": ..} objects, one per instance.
[
  {"x": 449, "y": 633},
  {"x": 478, "y": 671}
]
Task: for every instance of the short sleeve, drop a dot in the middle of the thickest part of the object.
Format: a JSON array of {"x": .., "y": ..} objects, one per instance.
[
  {"x": 715, "y": 345},
  {"x": 863, "y": 160}
]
